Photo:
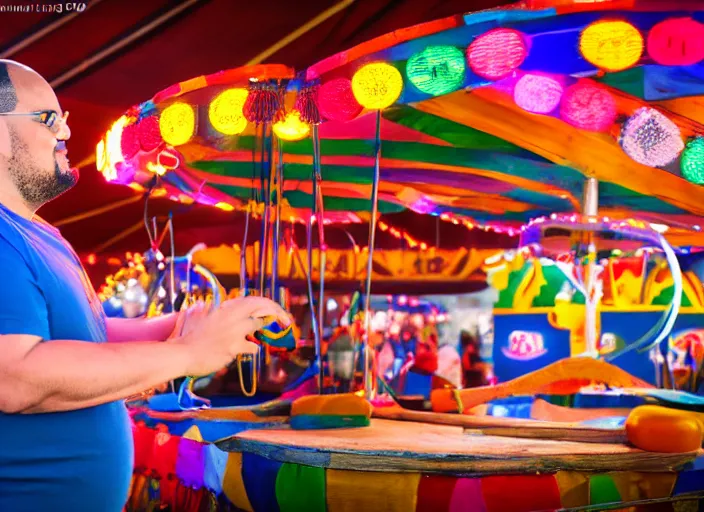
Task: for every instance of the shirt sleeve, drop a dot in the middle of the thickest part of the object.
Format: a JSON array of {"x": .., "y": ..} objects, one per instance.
[{"x": 23, "y": 309}]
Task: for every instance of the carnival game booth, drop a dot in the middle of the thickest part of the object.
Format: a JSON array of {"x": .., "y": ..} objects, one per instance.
[
  {"x": 540, "y": 315},
  {"x": 489, "y": 119}
]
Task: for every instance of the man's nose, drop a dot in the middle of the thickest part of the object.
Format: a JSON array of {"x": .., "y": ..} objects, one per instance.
[{"x": 64, "y": 133}]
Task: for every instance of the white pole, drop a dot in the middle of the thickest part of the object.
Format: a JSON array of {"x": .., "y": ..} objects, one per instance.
[{"x": 590, "y": 209}]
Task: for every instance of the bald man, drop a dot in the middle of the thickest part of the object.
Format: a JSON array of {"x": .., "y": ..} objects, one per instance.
[{"x": 65, "y": 369}]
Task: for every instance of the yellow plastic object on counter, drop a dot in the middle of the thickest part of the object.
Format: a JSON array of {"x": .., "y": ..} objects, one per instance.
[{"x": 661, "y": 429}]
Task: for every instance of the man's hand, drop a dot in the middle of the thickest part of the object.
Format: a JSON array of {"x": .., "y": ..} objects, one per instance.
[
  {"x": 190, "y": 318},
  {"x": 214, "y": 340}
]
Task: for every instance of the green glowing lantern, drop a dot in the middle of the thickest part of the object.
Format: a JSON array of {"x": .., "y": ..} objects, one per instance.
[
  {"x": 437, "y": 69},
  {"x": 692, "y": 163}
]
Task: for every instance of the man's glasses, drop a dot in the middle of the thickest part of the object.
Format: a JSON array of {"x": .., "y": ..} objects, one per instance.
[{"x": 49, "y": 118}]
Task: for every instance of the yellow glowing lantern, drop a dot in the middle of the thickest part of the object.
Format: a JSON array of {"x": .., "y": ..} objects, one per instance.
[
  {"x": 226, "y": 111},
  {"x": 292, "y": 128},
  {"x": 101, "y": 160},
  {"x": 225, "y": 206},
  {"x": 377, "y": 85},
  {"x": 113, "y": 148},
  {"x": 611, "y": 45},
  {"x": 177, "y": 124}
]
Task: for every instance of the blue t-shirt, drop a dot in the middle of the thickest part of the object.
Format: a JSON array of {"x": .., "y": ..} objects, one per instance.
[{"x": 66, "y": 461}]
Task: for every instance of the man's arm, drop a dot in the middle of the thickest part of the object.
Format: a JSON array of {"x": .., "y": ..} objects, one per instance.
[
  {"x": 158, "y": 328},
  {"x": 45, "y": 376},
  {"x": 49, "y": 376},
  {"x": 60, "y": 375},
  {"x": 37, "y": 376}
]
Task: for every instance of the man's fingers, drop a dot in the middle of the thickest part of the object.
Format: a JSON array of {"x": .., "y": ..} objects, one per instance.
[
  {"x": 250, "y": 348},
  {"x": 259, "y": 307},
  {"x": 271, "y": 314},
  {"x": 251, "y": 303},
  {"x": 255, "y": 324}
]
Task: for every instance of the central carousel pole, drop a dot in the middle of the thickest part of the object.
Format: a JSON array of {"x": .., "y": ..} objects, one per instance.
[{"x": 590, "y": 209}]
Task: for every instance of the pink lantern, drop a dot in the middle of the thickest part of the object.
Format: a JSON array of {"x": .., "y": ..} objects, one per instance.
[
  {"x": 129, "y": 142},
  {"x": 588, "y": 107},
  {"x": 496, "y": 54},
  {"x": 537, "y": 94},
  {"x": 650, "y": 138},
  {"x": 336, "y": 101},
  {"x": 676, "y": 42},
  {"x": 149, "y": 134}
]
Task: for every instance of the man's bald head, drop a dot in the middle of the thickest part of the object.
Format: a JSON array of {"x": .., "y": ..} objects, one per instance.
[
  {"x": 8, "y": 95},
  {"x": 21, "y": 86},
  {"x": 32, "y": 153}
]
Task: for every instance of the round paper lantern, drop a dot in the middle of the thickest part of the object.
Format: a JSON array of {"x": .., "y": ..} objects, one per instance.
[
  {"x": 537, "y": 94},
  {"x": 149, "y": 134},
  {"x": 129, "y": 144},
  {"x": 650, "y": 138},
  {"x": 377, "y": 85},
  {"x": 336, "y": 100},
  {"x": 109, "y": 154},
  {"x": 497, "y": 53},
  {"x": 588, "y": 107},
  {"x": 676, "y": 42},
  {"x": 177, "y": 123},
  {"x": 611, "y": 45},
  {"x": 437, "y": 69},
  {"x": 291, "y": 128},
  {"x": 113, "y": 141},
  {"x": 692, "y": 163},
  {"x": 101, "y": 160},
  {"x": 226, "y": 111}
]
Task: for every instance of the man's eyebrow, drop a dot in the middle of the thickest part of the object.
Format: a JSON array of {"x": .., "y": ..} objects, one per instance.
[{"x": 8, "y": 94}]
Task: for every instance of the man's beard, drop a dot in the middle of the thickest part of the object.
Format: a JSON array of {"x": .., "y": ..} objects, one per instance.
[{"x": 35, "y": 185}]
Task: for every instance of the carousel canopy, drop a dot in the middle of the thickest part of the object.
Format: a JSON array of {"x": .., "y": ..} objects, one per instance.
[
  {"x": 105, "y": 57},
  {"x": 488, "y": 119}
]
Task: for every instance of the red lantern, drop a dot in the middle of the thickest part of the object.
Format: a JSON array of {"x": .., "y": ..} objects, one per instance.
[
  {"x": 588, "y": 106},
  {"x": 129, "y": 142},
  {"x": 336, "y": 100},
  {"x": 149, "y": 134},
  {"x": 496, "y": 54},
  {"x": 676, "y": 42}
]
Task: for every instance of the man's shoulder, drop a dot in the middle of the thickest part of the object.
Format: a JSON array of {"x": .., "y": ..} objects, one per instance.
[
  {"x": 9, "y": 232},
  {"x": 14, "y": 238},
  {"x": 44, "y": 224}
]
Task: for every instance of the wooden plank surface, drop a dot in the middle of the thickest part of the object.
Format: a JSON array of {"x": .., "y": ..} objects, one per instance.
[
  {"x": 389, "y": 445},
  {"x": 509, "y": 427}
]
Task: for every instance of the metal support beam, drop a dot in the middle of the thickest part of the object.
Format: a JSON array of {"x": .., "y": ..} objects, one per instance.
[{"x": 591, "y": 198}]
